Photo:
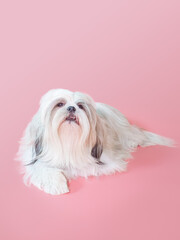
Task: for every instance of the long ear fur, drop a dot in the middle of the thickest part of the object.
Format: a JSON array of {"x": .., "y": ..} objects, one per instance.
[
  {"x": 98, "y": 147},
  {"x": 31, "y": 143},
  {"x": 36, "y": 150}
]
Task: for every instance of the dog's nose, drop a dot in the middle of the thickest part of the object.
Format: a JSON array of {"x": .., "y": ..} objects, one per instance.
[{"x": 71, "y": 109}]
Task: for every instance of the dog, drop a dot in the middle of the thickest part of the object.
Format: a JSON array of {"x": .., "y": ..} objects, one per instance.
[{"x": 71, "y": 136}]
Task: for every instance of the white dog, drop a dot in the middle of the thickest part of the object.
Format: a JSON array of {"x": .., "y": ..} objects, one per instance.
[{"x": 72, "y": 136}]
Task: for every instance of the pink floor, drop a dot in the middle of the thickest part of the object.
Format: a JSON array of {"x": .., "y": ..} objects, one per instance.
[{"x": 123, "y": 53}]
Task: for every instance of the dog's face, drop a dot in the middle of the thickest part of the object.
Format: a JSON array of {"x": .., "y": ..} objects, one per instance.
[
  {"x": 68, "y": 122},
  {"x": 65, "y": 108}
]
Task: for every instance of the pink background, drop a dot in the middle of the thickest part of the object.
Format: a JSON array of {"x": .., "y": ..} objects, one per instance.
[{"x": 125, "y": 53}]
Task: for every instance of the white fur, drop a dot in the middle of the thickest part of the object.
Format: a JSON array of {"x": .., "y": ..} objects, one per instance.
[{"x": 54, "y": 149}]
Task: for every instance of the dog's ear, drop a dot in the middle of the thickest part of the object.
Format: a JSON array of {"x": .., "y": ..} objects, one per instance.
[
  {"x": 97, "y": 150},
  {"x": 98, "y": 147},
  {"x": 36, "y": 150},
  {"x": 31, "y": 144},
  {"x": 38, "y": 146}
]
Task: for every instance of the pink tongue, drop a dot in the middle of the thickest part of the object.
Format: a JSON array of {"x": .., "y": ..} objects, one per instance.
[{"x": 71, "y": 118}]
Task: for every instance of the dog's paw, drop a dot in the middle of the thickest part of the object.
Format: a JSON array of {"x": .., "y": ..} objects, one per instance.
[
  {"x": 56, "y": 189},
  {"x": 51, "y": 181}
]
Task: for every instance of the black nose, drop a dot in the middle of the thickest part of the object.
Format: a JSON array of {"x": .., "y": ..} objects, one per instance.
[{"x": 71, "y": 109}]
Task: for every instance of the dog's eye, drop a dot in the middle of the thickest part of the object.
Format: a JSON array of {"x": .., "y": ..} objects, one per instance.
[
  {"x": 81, "y": 106},
  {"x": 61, "y": 104}
]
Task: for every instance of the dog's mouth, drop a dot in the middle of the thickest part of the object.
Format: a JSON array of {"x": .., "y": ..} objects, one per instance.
[{"x": 72, "y": 118}]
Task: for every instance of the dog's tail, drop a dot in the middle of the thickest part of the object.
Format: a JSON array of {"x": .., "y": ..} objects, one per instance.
[{"x": 155, "y": 139}]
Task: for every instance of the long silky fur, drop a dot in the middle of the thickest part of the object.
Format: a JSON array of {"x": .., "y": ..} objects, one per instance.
[{"x": 54, "y": 150}]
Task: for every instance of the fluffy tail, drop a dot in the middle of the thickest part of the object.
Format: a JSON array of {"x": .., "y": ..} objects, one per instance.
[{"x": 155, "y": 139}]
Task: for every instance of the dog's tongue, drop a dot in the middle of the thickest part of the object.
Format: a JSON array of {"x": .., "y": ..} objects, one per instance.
[{"x": 71, "y": 118}]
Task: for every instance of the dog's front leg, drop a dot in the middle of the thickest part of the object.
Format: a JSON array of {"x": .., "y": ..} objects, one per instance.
[{"x": 48, "y": 179}]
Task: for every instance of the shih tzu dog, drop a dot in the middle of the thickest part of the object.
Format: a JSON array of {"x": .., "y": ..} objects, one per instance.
[{"x": 72, "y": 136}]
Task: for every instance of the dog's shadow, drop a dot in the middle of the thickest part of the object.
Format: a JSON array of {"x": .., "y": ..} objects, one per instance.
[
  {"x": 153, "y": 156},
  {"x": 76, "y": 184}
]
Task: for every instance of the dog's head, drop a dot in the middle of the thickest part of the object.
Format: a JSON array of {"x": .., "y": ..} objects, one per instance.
[{"x": 65, "y": 119}]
